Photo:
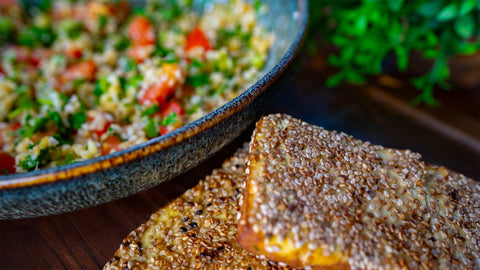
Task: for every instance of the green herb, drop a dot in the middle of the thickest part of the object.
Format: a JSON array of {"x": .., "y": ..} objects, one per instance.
[
  {"x": 77, "y": 82},
  {"x": 150, "y": 110},
  {"x": 69, "y": 159},
  {"x": 61, "y": 140},
  {"x": 219, "y": 90},
  {"x": 198, "y": 80},
  {"x": 44, "y": 5},
  {"x": 224, "y": 35},
  {"x": 134, "y": 82},
  {"x": 22, "y": 89},
  {"x": 196, "y": 63},
  {"x": 367, "y": 32},
  {"x": 32, "y": 36},
  {"x": 170, "y": 10},
  {"x": 102, "y": 21},
  {"x": 72, "y": 28},
  {"x": 23, "y": 103},
  {"x": 77, "y": 119},
  {"x": 7, "y": 29},
  {"x": 127, "y": 64},
  {"x": 121, "y": 43},
  {"x": 101, "y": 86},
  {"x": 257, "y": 5},
  {"x": 31, "y": 163},
  {"x": 151, "y": 129},
  {"x": 170, "y": 119},
  {"x": 31, "y": 146},
  {"x": 56, "y": 118}
]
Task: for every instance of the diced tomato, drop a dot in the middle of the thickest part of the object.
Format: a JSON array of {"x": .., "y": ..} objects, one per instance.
[
  {"x": 102, "y": 131},
  {"x": 40, "y": 53},
  {"x": 73, "y": 52},
  {"x": 7, "y": 164},
  {"x": 163, "y": 130},
  {"x": 101, "y": 125},
  {"x": 25, "y": 56},
  {"x": 7, "y": 3},
  {"x": 109, "y": 144},
  {"x": 141, "y": 31},
  {"x": 159, "y": 92},
  {"x": 83, "y": 70},
  {"x": 168, "y": 109},
  {"x": 1, "y": 70},
  {"x": 172, "y": 107},
  {"x": 197, "y": 38}
]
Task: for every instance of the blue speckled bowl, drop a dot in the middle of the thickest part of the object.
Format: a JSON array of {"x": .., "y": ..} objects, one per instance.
[{"x": 118, "y": 175}]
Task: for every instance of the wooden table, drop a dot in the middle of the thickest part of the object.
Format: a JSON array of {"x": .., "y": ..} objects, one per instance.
[{"x": 449, "y": 136}]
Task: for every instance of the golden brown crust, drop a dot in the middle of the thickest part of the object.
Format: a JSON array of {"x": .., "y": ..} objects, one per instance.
[
  {"x": 196, "y": 230},
  {"x": 320, "y": 198}
]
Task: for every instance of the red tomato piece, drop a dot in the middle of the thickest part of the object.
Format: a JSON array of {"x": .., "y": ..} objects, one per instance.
[
  {"x": 83, "y": 70},
  {"x": 172, "y": 107},
  {"x": 7, "y": 164},
  {"x": 163, "y": 130},
  {"x": 197, "y": 38},
  {"x": 159, "y": 92},
  {"x": 73, "y": 53},
  {"x": 141, "y": 31},
  {"x": 102, "y": 131},
  {"x": 25, "y": 56},
  {"x": 109, "y": 144},
  {"x": 6, "y": 3},
  {"x": 99, "y": 117}
]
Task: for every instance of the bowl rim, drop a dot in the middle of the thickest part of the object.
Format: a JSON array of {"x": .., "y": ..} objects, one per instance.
[{"x": 84, "y": 167}]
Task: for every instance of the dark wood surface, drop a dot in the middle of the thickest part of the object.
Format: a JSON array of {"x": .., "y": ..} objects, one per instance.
[{"x": 447, "y": 135}]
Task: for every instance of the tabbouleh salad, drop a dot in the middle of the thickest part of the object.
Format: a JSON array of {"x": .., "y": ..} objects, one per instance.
[{"x": 81, "y": 79}]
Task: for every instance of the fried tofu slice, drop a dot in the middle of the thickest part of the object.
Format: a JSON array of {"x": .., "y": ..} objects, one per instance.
[
  {"x": 198, "y": 230},
  {"x": 324, "y": 200}
]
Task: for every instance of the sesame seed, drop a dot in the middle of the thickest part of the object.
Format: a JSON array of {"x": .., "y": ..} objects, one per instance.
[
  {"x": 384, "y": 204},
  {"x": 211, "y": 244}
]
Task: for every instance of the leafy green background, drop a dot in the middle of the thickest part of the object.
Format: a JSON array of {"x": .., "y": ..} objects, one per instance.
[{"x": 366, "y": 32}]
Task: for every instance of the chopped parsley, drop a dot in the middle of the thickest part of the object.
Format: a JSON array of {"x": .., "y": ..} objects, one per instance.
[
  {"x": 151, "y": 129},
  {"x": 170, "y": 119},
  {"x": 198, "y": 80},
  {"x": 32, "y": 162},
  {"x": 32, "y": 36},
  {"x": 101, "y": 86},
  {"x": 150, "y": 110},
  {"x": 69, "y": 159},
  {"x": 77, "y": 119}
]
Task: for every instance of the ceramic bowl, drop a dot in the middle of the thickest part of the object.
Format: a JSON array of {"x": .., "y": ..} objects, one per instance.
[{"x": 118, "y": 175}]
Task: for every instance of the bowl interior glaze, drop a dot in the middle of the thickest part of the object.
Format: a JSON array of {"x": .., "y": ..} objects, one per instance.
[{"x": 118, "y": 175}]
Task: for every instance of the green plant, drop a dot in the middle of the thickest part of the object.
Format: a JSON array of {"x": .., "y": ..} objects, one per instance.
[{"x": 365, "y": 32}]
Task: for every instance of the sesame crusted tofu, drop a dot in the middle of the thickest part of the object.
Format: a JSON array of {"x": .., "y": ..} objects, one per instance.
[
  {"x": 195, "y": 231},
  {"x": 322, "y": 199}
]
